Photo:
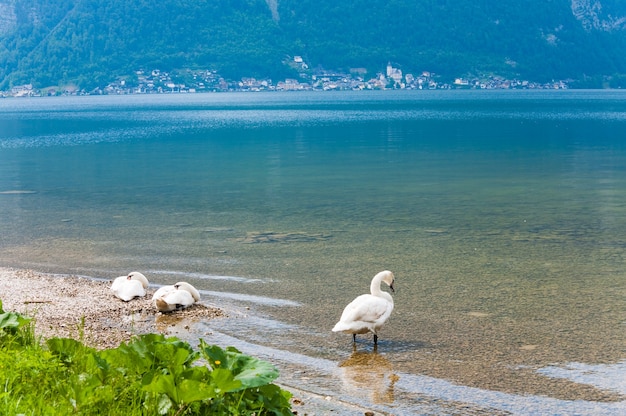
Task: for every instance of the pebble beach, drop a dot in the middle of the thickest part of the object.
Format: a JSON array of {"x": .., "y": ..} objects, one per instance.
[{"x": 78, "y": 307}]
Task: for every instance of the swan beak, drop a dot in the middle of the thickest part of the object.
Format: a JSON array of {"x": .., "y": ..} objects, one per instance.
[{"x": 391, "y": 287}]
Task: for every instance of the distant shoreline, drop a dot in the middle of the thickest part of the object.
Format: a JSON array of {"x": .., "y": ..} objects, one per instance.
[{"x": 324, "y": 84}]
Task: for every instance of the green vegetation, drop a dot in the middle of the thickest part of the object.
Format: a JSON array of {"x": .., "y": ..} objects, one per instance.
[
  {"x": 89, "y": 42},
  {"x": 151, "y": 375}
]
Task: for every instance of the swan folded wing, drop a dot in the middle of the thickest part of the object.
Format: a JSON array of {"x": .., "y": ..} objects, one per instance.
[
  {"x": 173, "y": 300},
  {"x": 162, "y": 291},
  {"x": 117, "y": 283},
  {"x": 128, "y": 290},
  {"x": 366, "y": 311},
  {"x": 370, "y": 310}
]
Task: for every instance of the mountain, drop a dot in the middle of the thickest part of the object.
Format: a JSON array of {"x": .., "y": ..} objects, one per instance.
[{"x": 91, "y": 42}]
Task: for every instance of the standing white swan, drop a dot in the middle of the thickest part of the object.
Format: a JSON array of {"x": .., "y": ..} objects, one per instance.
[
  {"x": 130, "y": 286},
  {"x": 178, "y": 296},
  {"x": 368, "y": 313}
]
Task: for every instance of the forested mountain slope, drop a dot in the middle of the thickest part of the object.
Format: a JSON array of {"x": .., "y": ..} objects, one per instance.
[{"x": 89, "y": 42}]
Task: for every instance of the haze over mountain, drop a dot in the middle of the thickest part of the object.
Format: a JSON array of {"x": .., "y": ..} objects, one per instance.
[{"x": 91, "y": 42}]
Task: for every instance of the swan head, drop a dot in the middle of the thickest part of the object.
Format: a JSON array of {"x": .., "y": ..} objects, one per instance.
[
  {"x": 138, "y": 276},
  {"x": 387, "y": 277},
  {"x": 189, "y": 288}
]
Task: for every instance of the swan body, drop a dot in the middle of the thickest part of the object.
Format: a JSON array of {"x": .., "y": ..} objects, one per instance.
[
  {"x": 129, "y": 287},
  {"x": 178, "y": 296},
  {"x": 162, "y": 291},
  {"x": 368, "y": 313}
]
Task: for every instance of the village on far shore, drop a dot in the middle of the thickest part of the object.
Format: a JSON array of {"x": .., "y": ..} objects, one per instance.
[{"x": 156, "y": 81}]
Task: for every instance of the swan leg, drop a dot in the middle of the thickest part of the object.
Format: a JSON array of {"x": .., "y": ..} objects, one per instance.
[
  {"x": 375, "y": 339},
  {"x": 354, "y": 338}
]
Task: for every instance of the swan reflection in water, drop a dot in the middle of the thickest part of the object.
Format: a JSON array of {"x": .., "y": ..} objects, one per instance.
[{"x": 371, "y": 373}]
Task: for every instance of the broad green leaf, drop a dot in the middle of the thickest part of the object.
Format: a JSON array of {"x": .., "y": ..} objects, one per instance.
[
  {"x": 8, "y": 320},
  {"x": 161, "y": 383},
  {"x": 85, "y": 390},
  {"x": 67, "y": 349},
  {"x": 192, "y": 390},
  {"x": 214, "y": 354},
  {"x": 224, "y": 381},
  {"x": 12, "y": 320},
  {"x": 125, "y": 360},
  {"x": 251, "y": 371},
  {"x": 273, "y": 397},
  {"x": 98, "y": 365},
  {"x": 257, "y": 373},
  {"x": 198, "y": 373}
]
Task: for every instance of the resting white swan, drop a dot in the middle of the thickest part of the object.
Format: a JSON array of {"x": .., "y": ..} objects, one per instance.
[
  {"x": 129, "y": 287},
  {"x": 368, "y": 313},
  {"x": 178, "y": 296}
]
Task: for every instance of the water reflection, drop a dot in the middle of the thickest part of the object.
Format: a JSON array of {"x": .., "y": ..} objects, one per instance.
[
  {"x": 166, "y": 322},
  {"x": 371, "y": 373}
]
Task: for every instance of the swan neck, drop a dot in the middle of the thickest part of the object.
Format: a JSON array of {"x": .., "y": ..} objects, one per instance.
[{"x": 375, "y": 286}]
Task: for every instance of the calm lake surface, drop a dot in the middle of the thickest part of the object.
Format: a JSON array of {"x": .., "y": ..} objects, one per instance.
[{"x": 501, "y": 214}]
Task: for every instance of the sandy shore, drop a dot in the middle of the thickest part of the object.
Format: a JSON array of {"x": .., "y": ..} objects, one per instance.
[{"x": 69, "y": 306}]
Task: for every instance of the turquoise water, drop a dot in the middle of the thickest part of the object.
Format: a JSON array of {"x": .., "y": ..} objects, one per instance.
[{"x": 502, "y": 215}]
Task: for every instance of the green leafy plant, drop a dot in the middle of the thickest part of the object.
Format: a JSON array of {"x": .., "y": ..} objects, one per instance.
[
  {"x": 16, "y": 326},
  {"x": 234, "y": 372},
  {"x": 151, "y": 374},
  {"x": 11, "y": 321}
]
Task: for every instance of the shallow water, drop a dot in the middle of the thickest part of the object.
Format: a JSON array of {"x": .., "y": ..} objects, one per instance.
[{"x": 500, "y": 213}]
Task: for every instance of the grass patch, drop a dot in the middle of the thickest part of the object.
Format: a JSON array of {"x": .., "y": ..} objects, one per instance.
[{"x": 150, "y": 375}]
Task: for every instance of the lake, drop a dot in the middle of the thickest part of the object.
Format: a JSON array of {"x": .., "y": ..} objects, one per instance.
[{"x": 501, "y": 213}]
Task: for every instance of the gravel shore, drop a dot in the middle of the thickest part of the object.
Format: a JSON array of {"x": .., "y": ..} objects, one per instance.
[
  {"x": 77, "y": 307},
  {"x": 82, "y": 308}
]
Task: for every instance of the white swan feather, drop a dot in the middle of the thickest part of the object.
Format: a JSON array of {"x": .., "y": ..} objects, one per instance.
[
  {"x": 130, "y": 286},
  {"x": 368, "y": 313},
  {"x": 178, "y": 296}
]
